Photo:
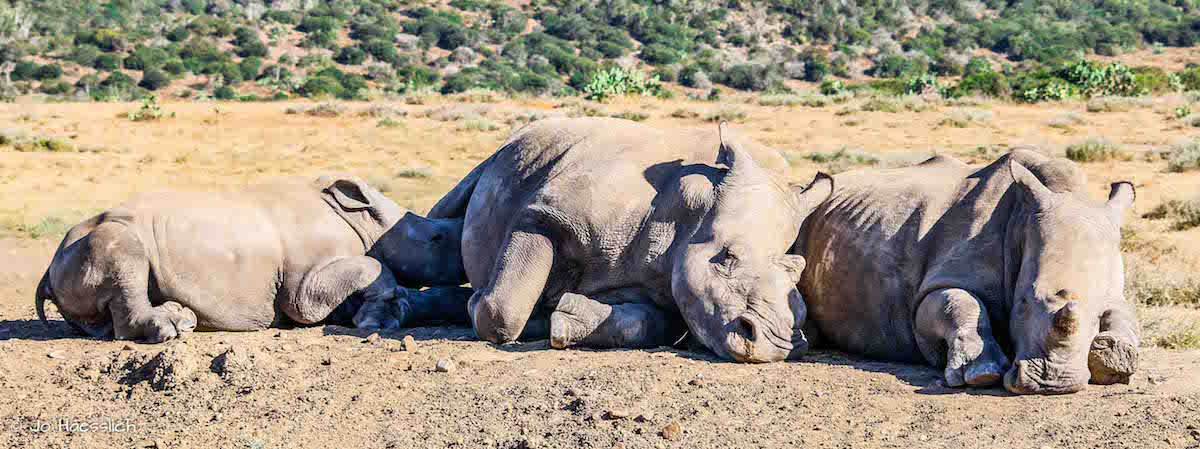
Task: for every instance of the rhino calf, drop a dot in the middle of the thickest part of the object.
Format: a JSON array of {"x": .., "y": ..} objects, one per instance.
[
  {"x": 971, "y": 269},
  {"x": 161, "y": 265}
]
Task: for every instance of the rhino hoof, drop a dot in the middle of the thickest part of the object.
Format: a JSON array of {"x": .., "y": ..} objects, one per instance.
[
  {"x": 984, "y": 374},
  {"x": 565, "y": 322},
  {"x": 172, "y": 320}
]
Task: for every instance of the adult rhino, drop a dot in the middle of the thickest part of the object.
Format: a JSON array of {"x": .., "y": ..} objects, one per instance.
[
  {"x": 163, "y": 264},
  {"x": 945, "y": 264},
  {"x": 604, "y": 232}
]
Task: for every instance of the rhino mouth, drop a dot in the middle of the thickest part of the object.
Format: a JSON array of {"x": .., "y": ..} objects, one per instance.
[{"x": 752, "y": 340}]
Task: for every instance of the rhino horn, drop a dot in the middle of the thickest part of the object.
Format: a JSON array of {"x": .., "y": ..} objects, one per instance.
[
  {"x": 1035, "y": 191},
  {"x": 1066, "y": 321}
]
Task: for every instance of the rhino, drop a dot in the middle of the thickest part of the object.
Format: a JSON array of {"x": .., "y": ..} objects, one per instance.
[
  {"x": 966, "y": 269},
  {"x": 161, "y": 265},
  {"x": 606, "y": 233}
]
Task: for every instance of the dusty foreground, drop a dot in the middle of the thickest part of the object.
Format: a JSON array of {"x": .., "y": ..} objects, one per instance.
[
  {"x": 328, "y": 386},
  {"x": 331, "y": 387}
]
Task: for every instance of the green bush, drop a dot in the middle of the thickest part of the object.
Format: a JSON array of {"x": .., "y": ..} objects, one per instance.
[
  {"x": 1190, "y": 78},
  {"x": 923, "y": 85},
  {"x": 659, "y": 54},
  {"x": 1095, "y": 150},
  {"x": 24, "y": 71},
  {"x": 1184, "y": 156},
  {"x": 107, "y": 62},
  {"x": 224, "y": 93},
  {"x": 617, "y": 81},
  {"x": 322, "y": 85},
  {"x": 154, "y": 79},
  {"x": 249, "y": 67},
  {"x": 1094, "y": 79},
  {"x": 989, "y": 84},
  {"x": 351, "y": 56},
  {"x": 1152, "y": 79}
]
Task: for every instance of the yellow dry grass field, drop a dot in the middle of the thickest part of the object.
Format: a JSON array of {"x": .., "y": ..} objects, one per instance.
[{"x": 91, "y": 156}]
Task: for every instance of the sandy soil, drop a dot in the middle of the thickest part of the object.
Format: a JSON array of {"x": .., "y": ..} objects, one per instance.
[{"x": 332, "y": 386}]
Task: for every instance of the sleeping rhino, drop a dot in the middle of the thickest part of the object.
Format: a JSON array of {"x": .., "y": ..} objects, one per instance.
[
  {"x": 163, "y": 264},
  {"x": 949, "y": 265},
  {"x": 605, "y": 233}
]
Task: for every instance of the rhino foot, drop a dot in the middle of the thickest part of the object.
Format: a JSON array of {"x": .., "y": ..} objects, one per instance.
[
  {"x": 169, "y": 320},
  {"x": 385, "y": 315},
  {"x": 573, "y": 319},
  {"x": 984, "y": 370}
]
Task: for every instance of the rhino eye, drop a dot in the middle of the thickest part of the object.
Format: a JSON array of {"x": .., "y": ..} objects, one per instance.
[{"x": 726, "y": 262}]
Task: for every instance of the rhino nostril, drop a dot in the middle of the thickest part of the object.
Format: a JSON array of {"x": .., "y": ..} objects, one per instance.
[{"x": 747, "y": 329}]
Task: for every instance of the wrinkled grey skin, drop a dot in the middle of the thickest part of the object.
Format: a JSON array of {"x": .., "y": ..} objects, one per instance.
[
  {"x": 944, "y": 264},
  {"x": 603, "y": 232},
  {"x": 161, "y": 265}
]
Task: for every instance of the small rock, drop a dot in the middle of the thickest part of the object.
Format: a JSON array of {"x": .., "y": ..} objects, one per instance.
[
  {"x": 410, "y": 343},
  {"x": 697, "y": 382},
  {"x": 619, "y": 446},
  {"x": 280, "y": 334},
  {"x": 60, "y": 354},
  {"x": 618, "y": 414},
  {"x": 127, "y": 347},
  {"x": 818, "y": 393},
  {"x": 1156, "y": 379},
  {"x": 574, "y": 392},
  {"x": 529, "y": 373},
  {"x": 645, "y": 416},
  {"x": 373, "y": 338},
  {"x": 329, "y": 360},
  {"x": 923, "y": 438},
  {"x": 446, "y": 366},
  {"x": 673, "y": 431}
]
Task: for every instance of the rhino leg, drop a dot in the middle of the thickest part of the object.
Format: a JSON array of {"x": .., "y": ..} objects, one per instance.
[
  {"x": 327, "y": 285},
  {"x": 412, "y": 308},
  {"x": 117, "y": 252},
  {"x": 953, "y": 330},
  {"x": 585, "y": 321},
  {"x": 501, "y": 310}
]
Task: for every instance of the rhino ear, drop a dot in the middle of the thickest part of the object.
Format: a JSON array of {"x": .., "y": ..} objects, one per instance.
[
  {"x": 1036, "y": 193},
  {"x": 350, "y": 193},
  {"x": 815, "y": 193},
  {"x": 1120, "y": 197},
  {"x": 794, "y": 265}
]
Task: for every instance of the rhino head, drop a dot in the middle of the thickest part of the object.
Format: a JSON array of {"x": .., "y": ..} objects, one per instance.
[
  {"x": 735, "y": 284},
  {"x": 1069, "y": 321},
  {"x": 419, "y": 251}
]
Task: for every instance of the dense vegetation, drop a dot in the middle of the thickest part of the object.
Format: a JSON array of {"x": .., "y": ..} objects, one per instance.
[{"x": 250, "y": 49}]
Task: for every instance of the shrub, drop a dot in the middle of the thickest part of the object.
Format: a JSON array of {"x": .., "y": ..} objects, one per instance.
[
  {"x": 990, "y": 84},
  {"x": 1116, "y": 104},
  {"x": 1185, "y": 214},
  {"x": 726, "y": 114},
  {"x": 154, "y": 79},
  {"x": 224, "y": 93},
  {"x": 149, "y": 111},
  {"x": 1184, "y": 156},
  {"x": 383, "y": 51},
  {"x": 747, "y": 77},
  {"x": 833, "y": 87},
  {"x": 659, "y": 54},
  {"x": 1065, "y": 120},
  {"x": 48, "y": 72},
  {"x": 108, "y": 62},
  {"x": 962, "y": 118},
  {"x": 1095, "y": 150},
  {"x": 926, "y": 84},
  {"x": 1111, "y": 79},
  {"x": 322, "y": 85},
  {"x": 351, "y": 56},
  {"x": 249, "y": 67},
  {"x": 617, "y": 81}
]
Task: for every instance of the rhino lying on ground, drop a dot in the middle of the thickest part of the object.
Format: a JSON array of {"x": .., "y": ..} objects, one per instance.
[
  {"x": 605, "y": 233},
  {"x": 161, "y": 265},
  {"x": 944, "y": 264}
]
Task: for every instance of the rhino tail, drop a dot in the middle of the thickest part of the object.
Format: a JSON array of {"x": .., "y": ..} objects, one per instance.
[
  {"x": 43, "y": 293},
  {"x": 454, "y": 204}
]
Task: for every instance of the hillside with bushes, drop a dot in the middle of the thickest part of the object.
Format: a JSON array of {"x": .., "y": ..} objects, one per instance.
[{"x": 359, "y": 49}]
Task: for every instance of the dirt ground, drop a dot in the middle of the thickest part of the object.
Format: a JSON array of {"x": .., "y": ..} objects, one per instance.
[{"x": 336, "y": 387}]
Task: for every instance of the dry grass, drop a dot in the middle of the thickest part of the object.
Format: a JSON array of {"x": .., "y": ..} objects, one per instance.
[{"x": 1096, "y": 150}]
